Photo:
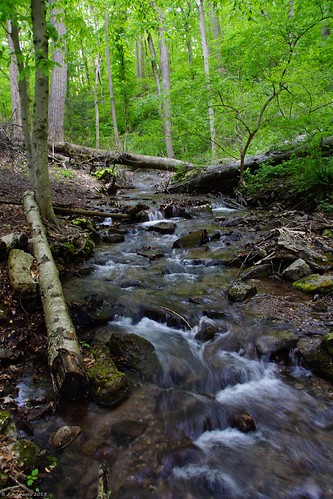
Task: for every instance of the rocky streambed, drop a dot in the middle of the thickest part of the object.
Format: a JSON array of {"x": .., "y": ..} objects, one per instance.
[{"x": 218, "y": 321}]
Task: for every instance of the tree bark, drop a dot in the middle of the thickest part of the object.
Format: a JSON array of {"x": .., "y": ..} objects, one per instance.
[
  {"x": 58, "y": 87},
  {"x": 17, "y": 133},
  {"x": 68, "y": 373},
  {"x": 224, "y": 178},
  {"x": 205, "y": 54},
  {"x": 39, "y": 146},
  {"x": 96, "y": 100},
  {"x": 110, "y": 82},
  {"x": 165, "y": 72},
  {"x": 110, "y": 157}
]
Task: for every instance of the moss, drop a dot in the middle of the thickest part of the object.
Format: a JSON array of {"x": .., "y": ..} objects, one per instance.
[
  {"x": 315, "y": 283},
  {"x": 108, "y": 385},
  {"x": 28, "y": 453},
  {"x": 5, "y": 419}
]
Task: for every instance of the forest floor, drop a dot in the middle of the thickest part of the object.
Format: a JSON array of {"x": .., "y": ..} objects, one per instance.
[{"x": 22, "y": 331}]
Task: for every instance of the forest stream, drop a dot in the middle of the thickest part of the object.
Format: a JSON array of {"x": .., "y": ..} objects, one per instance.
[{"x": 178, "y": 433}]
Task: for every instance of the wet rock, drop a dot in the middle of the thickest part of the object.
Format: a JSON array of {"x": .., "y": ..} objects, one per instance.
[
  {"x": 315, "y": 356},
  {"x": 241, "y": 291},
  {"x": 108, "y": 385},
  {"x": 112, "y": 238},
  {"x": 20, "y": 265},
  {"x": 64, "y": 436},
  {"x": 163, "y": 227},
  {"x": 93, "y": 310},
  {"x": 315, "y": 283},
  {"x": 137, "y": 353},
  {"x": 161, "y": 315},
  {"x": 257, "y": 271},
  {"x": 207, "y": 330},
  {"x": 275, "y": 342},
  {"x": 298, "y": 269},
  {"x": 128, "y": 430},
  {"x": 244, "y": 422},
  {"x": 193, "y": 239},
  {"x": 151, "y": 253}
]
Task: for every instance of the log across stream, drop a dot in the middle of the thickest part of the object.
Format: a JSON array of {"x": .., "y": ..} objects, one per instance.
[{"x": 176, "y": 435}]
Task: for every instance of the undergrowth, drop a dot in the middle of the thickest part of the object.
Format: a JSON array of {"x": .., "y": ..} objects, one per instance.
[{"x": 309, "y": 179}]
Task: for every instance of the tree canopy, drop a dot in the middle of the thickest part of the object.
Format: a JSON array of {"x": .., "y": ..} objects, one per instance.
[{"x": 269, "y": 81}]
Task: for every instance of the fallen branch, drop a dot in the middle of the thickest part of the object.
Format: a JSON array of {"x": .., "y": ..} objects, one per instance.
[
  {"x": 88, "y": 213},
  {"x": 178, "y": 315},
  {"x": 68, "y": 373}
]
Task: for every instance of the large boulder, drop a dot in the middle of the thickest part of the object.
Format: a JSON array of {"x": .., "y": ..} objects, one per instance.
[{"x": 136, "y": 353}]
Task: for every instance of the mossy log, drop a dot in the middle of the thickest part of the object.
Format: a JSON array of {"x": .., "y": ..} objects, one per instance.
[
  {"x": 119, "y": 158},
  {"x": 89, "y": 213},
  {"x": 68, "y": 373},
  {"x": 11, "y": 241}
]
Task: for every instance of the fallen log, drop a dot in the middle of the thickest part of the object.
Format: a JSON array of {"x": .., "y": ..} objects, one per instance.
[
  {"x": 89, "y": 213},
  {"x": 224, "y": 178},
  {"x": 11, "y": 241},
  {"x": 68, "y": 373},
  {"x": 119, "y": 158}
]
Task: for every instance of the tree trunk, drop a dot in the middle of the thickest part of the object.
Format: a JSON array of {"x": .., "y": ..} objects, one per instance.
[
  {"x": 205, "y": 53},
  {"x": 165, "y": 71},
  {"x": 109, "y": 157},
  {"x": 58, "y": 88},
  {"x": 110, "y": 81},
  {"x": 39, "y": 146},
  {"x": 24, "y": 99},
  {"x": 96, "y": 102},
  {"x": 17, "y": 133},
  {"x": 224, "y": 178},
  {"x": 66, "y": 365},
  {"x": 154, "y": 64}
]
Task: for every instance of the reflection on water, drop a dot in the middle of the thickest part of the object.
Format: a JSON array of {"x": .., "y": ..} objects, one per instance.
[{"x": 188, "y": 445}]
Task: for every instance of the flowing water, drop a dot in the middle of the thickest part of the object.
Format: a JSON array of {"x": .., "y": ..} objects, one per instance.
[{"x": 185, "y": 443}]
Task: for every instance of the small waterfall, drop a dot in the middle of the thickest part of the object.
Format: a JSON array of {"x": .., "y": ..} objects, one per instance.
[{"x": 155, "y": 215}]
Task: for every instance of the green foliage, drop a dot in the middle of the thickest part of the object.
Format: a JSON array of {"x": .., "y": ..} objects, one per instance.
[{"x": 32, "y": 478}]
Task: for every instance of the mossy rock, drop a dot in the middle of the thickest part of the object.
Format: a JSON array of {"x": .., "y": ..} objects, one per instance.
[
  {"x": 28, "y": 453},
  {"x": 5, "y": 420},
  {"x": 241, "y": 291},
  {"x": 108, "y": 385},
  {"x": 315, "y": 283},
  {"x": 137, "y": 353},
  {"x": 193, "y": 239}
]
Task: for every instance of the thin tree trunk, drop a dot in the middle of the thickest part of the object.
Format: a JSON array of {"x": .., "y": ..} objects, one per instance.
[
  {"x": 66, "y": 365},
  {"x": 205, "y": 53},
  {"x": 216, "y": 30},
  {"x": 96, "y": 102},
  {"x": 17, "y": 133},
  {"x": 110, "y": 81},
  {"x": 139, "y": 58},
  {"x": 24, "y": 99},
  {"x": 166, "y": 102},
  {"x": 154, "y": 63},
  {"x": 39, "y": 145},
  {"x": 58, "y": 88}
]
